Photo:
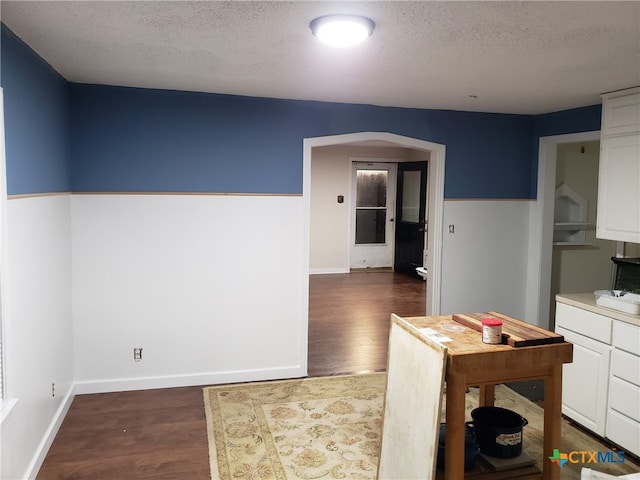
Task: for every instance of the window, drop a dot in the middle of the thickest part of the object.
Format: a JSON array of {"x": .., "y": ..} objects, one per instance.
[{"x": 371, "y": 206}]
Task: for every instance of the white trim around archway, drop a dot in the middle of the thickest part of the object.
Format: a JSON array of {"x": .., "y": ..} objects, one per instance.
[{"x": 435, "y": 214}]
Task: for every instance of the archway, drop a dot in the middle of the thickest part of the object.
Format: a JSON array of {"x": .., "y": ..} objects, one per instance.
[{"x": 435, "y": 211}]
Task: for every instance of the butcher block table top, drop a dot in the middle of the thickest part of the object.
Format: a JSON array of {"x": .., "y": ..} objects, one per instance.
[
  {"x": 482, "y": 362},
  {"x": 470, "y": 362}
]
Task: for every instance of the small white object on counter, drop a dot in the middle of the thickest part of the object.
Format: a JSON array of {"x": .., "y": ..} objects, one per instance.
[
  {"x": 618, "y": 300},
  {"x": 435, "y": 336}
]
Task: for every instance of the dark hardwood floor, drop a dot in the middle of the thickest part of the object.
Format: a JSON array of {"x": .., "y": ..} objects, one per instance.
[
  {"x": 349, "y": 318},
  {"x": 161, "y": 434},
  {"x": 147, "y": 434}
]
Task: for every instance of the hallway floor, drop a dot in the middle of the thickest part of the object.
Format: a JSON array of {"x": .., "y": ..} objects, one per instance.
[{"x": 349, "y": 318}]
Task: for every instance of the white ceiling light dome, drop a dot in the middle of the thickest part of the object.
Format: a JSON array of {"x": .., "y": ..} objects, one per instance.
[{"x": 342, "y": 30}]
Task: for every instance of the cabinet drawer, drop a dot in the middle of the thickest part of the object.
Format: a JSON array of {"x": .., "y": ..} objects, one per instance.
[
  {"x": 621, "y": 115},
  {"x": 626, "y": 337},
  {"x": 623, "y": 431},
  {"x": 626, "y": 366},
  {"x": 624, "y": 398},
  {"x": 584, "y": 322}
]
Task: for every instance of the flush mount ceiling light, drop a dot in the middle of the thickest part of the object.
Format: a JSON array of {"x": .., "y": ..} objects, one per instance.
[{"x": 342, "y": 30}]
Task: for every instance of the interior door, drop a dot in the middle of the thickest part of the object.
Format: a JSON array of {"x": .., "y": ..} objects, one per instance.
[
  {"x": 411, "y": 224},
  {"x": 373, "y": 190}
]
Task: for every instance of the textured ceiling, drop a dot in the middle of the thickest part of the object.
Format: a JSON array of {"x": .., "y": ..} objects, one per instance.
[{"x": 515, "y": 57}]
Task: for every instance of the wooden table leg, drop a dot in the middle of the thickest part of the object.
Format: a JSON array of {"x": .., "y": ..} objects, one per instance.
[
  {"x": 487, "y": 395},
  {"x": 455, "y": 417},
  {"x": 552, "y": 421}
]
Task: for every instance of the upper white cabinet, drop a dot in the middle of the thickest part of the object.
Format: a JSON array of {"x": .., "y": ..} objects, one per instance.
[
  {"x": 621, "y": 112},
  {"x": 619, "y": 171},
  {"x": 618, "y": 215}
]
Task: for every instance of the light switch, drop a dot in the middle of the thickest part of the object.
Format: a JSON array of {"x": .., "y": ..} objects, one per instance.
[{"x": 340, "y": 198}]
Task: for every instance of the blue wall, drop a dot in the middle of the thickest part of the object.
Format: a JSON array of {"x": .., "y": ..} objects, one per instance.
[
  {"x": 127, "y": 139},
  {"x": 36, "y": 107},
  {"x": 585, "y": 119},
  {"x": 90, "y": 138}
]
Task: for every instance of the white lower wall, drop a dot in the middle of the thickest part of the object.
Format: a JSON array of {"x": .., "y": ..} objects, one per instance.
[
  {"x": 209, "y": 286},
  {"x": 37, "y": 329},
  {"x": 484, "y": 261}
]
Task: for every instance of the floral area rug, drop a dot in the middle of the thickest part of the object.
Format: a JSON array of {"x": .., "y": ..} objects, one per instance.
[
  {"x": 296, "y": 429},
  {"x": 330, "y": 428}
]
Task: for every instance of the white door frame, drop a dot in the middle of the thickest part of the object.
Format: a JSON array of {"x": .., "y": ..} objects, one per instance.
[
  {"x": 435, "y": 208},
  {"x": 374, "y": 250},
  {"x": 6, "y": 402},
  {"x": 541, "y": 227}
]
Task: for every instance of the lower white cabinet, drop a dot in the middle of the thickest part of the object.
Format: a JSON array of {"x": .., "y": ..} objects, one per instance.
[
  {"x": 583, "y": 397},
  {"x": 623, "y": 411},
  {"x": 623, "y": 432},
  {"x": 601, "y": 388}
]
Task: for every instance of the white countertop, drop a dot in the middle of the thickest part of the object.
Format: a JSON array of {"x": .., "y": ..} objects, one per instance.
[{"x": 587, "y": 301}]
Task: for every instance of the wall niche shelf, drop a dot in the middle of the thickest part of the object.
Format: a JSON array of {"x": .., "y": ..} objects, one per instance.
[{"x": 570, "y": 224}]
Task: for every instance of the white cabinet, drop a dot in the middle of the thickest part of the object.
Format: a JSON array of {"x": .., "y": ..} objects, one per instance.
[
  {"x": 618, "y": 216},
  {"x": 601, "y": 388},
  {"x": 623, "y": 412},
  {"x": 585, "y": 381},
  {"x": 620, "y": 112}
]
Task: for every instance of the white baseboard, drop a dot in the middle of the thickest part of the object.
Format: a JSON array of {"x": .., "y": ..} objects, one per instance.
[
  {"x": 43, "y": 448},
  {"x": 326, "y": 271},
  {"x": 190, "y": 380}
]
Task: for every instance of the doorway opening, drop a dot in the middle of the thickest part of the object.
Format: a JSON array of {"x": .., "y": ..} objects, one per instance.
[
  {"x": 542, "y": 219},
  {"x": 411, "y": 219},
  {"x": 333, "y": 235},
  {"x": 581, "y": 262},
  {"x": 388, "y": 212}
]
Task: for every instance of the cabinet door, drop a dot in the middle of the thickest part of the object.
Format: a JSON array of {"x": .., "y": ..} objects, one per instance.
[
  {"x": 618, "y": 216},
  {"x": 585, "y": 381},
  {"x": 621, "y": 115}
]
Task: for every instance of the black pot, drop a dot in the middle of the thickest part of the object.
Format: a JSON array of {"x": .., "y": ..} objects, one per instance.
[
  {"x": 471, "y": 449},
  {"x": 499, "y": 431}
]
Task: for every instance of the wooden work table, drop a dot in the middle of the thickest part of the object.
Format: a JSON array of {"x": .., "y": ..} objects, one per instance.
[{"x": 470, "y": 362}]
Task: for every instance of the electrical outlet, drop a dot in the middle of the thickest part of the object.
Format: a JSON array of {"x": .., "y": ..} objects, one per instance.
[{"x": 137, "y": 354}]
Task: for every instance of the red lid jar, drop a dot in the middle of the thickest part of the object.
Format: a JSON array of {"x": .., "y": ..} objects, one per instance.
[{"x": 491, "y": 330}]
